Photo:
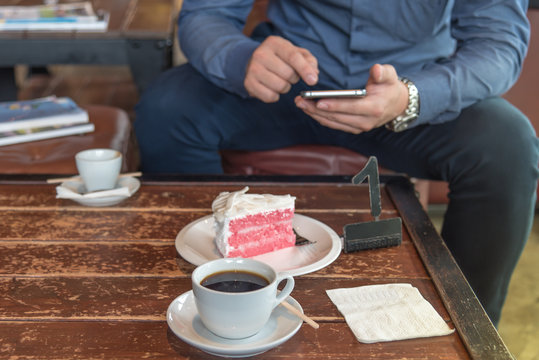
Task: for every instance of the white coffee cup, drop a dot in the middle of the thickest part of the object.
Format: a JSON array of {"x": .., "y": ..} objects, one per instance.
[
  {"x": 99, "y": 168},
  {"x": 237, "y": 315}
]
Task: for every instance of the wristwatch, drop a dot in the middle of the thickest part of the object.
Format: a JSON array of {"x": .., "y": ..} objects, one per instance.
[{"x": 411, "y": 113}]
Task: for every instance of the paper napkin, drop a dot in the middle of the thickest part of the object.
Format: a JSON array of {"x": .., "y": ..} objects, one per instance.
[
  {"x": 388, "y": 312},
  {"x": 65, "y": 192}
]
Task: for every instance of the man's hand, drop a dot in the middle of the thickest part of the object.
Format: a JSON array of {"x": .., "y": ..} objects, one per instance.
[
  {"x": 275, "y": 66},
  {"x": 387, "y": 97}
]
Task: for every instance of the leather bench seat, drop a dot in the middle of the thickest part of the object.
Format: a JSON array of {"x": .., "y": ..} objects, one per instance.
[
  {"x": 294, "y": 160},
  {"x": 57, "y": 155},
  {"x": 305, "y": 160}
]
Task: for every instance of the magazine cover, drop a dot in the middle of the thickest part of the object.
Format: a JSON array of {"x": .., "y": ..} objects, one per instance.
[
  {"x": 51, "y": 110},
  {"x": 73, "y": 16},
  {"x": 47, "y": 132}
]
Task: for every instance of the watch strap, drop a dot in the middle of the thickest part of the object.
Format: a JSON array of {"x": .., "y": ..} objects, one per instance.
[{"x": 402, "y": 122}]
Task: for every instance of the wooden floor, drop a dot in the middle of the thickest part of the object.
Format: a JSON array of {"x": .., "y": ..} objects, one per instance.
[{"x": 519, "y": 326}]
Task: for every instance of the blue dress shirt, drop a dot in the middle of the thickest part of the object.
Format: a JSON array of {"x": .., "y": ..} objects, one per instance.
[{"x": 455, "y": 51}]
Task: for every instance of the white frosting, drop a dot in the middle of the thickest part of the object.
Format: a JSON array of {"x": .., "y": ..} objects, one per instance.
[
  {"x": 229, "y": 205},
  {"x": 238, "y": 203}
]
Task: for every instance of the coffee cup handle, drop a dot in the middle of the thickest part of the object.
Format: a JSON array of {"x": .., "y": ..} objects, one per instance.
[{"x": 285, "y": 292}]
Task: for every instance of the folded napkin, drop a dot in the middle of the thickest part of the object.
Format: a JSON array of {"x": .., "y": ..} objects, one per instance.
[
  {"x": 66, "y": 192},
  {"x": 388, "y": 312}
]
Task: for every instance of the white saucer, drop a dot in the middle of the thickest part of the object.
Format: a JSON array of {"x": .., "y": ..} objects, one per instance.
[
  {"x": 133, "y": 184},
  {"x": 183, "y": 320}
]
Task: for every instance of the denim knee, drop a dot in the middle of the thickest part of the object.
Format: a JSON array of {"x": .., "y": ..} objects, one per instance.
[
  {"x": 162, "y": 124},
  {"x": 500, "y": 149},
  {"x": 160, "y": 106}
]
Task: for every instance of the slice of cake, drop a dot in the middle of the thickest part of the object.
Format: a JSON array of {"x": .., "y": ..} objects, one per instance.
[{"x": 252, "y": 224}]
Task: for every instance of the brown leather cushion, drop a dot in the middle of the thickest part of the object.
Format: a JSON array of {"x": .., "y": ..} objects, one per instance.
[
  {"x": 57, "y": 156},
  {"x": 315, "y": 160},
  {"x": 294, "y": 160}
]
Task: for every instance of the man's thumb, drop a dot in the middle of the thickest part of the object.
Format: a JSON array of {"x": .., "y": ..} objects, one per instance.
[{"x": 378, "y": 73}]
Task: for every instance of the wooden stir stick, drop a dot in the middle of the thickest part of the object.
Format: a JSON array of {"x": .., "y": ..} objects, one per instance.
[
  {"x": 299, "y": 314},
  {"x": 59, "y": 180}
]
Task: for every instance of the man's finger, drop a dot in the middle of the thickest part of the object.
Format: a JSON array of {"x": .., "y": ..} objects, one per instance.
[
  {"x": 275, "y": 83},
  {"x": 301, "y": 60},
  {"x": 261, "y": 92}
]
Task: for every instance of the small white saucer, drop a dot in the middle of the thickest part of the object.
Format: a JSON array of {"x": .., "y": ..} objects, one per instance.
[
  {"x": 133, "y": 184},
  {"x": 183, "y": 320}
]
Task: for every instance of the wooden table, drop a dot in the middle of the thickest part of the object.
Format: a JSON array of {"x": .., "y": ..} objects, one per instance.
[
  {"x": 83, "y": 282},
  {"x": 140, "y": 34}
]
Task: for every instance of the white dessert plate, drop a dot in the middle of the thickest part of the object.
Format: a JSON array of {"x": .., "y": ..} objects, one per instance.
[
  {"x": 133, "y": 184},
  {"x": 195, "y": 244},
  {"x": 183, "y": 320}
]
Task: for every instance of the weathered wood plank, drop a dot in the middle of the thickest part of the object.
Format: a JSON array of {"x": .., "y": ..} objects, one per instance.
[
  {"x": 153, "y": 339},
  {"x": 75, "y": 225},
  {"x": 82, "y": 259},
  {"x": 189, "y": 196},
  {"x": 147, "y": 299},
  {"x": 159, "y": 259},
  {"x": 116, "y": 226}
]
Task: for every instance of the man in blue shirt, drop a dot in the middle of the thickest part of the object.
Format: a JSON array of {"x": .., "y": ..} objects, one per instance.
[{"x": 433, "y": 71}]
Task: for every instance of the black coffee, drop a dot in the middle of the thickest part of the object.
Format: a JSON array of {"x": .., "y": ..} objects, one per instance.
[{"x": 234, "y": 281}]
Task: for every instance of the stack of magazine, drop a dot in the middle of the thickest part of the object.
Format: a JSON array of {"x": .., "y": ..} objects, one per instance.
[
  {"x": 43, "y": 118},
  {"x": 53, "y": 17}
]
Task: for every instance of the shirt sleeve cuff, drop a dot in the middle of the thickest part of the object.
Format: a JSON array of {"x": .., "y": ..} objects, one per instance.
[
  {"x": 434, "y": 100},
  {"x": 236, "y": 65}
]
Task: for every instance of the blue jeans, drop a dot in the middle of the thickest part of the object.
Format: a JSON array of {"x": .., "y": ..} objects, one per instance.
[{"x": 489, "y": 155}]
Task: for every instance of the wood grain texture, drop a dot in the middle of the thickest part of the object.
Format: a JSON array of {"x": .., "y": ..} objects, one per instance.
[
  {"x": 153, "y": 339},
  {"x": 342, "y": 199},
  {"x": 79, "y": 282},
  {"x": 132, "y": 298}
]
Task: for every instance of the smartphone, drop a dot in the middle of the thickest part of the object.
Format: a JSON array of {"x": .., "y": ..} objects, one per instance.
[{"x": 318, "y": 94}]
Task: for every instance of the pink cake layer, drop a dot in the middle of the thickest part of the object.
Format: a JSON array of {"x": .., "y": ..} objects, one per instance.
[{"x": 260, "y": 233}]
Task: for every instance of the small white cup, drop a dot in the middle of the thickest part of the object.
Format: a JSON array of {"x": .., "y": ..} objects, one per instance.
[
  {"x": 99, "y": 168},
  {"x": 237, "y": 315}
]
